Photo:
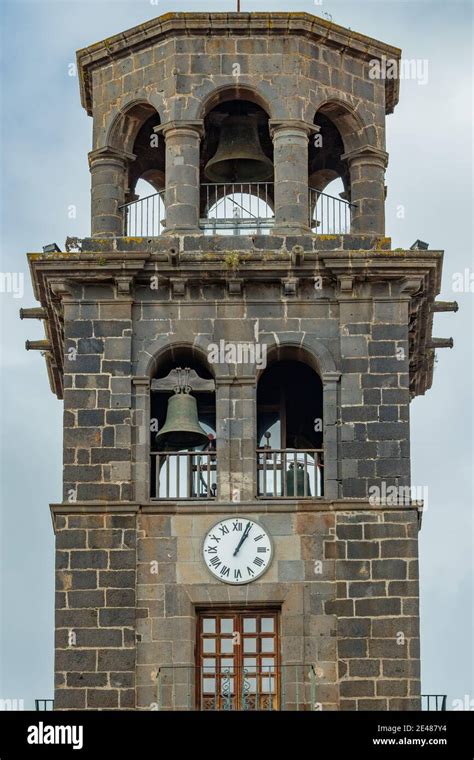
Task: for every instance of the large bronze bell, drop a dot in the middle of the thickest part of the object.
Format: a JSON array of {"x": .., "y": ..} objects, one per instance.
[
  {"x": 239, "y": 156},
  {"x": 181, "y": 429}
]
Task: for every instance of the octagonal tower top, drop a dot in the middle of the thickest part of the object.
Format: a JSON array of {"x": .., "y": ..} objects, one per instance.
[
  {"x": 324, "y": 33},
  {"x": 274, "y": 106}
]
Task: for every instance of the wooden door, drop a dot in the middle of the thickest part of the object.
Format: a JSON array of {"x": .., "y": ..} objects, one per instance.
[{"x": 238, "y": 660}]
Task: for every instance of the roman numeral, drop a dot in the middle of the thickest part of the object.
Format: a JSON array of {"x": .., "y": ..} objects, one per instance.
[
  {"x": 223, "y": 529},
  {"x": 215, "y": 561},
  {"x": 237, "y": 574},
  {"x": 262, "y": 549},
  {"x": 237, "y": 525},
  {"x": 250, "y": 571},
  {"x": 258, "y": 538},
  {"x": 258, "y": 561},
  {"x": 225, "y": 570},
  {"x": 211, "y": 549},
  {"x": 215, "y": 538}
]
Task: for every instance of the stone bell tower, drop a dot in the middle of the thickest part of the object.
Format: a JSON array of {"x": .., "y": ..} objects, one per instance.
[{"x": 236, "y": 353}]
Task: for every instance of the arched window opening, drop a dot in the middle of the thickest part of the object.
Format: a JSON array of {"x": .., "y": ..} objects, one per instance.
[
  {"x": 145, "y": 214},
  {"x": 290, "y": 431},
  {"x": 183, "y": 430},
  {"x": 144, "y": 210},
  {"x": 328, "y": 179},
  {"x": 236, "y": 170}
]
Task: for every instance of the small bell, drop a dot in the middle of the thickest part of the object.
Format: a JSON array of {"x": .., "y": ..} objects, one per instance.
[
  {"x": 181, "y": 429},
  {"x": 295, "y": 481}
]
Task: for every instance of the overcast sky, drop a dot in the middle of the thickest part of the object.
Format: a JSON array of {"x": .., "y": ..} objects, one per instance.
[{"x": 44, "y": 141}]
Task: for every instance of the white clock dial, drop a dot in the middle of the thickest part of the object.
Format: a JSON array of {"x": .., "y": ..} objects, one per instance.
[{"x": 237, "y": 550}]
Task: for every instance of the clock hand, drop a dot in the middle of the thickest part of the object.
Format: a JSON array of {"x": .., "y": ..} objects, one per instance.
[{"x": 246, "y": 532}]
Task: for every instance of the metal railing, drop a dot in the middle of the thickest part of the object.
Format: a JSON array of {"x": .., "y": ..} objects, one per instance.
[
  {"x": 290, "y": 473},
  {"x": 216, "y": 687},
  {"x": 183, "y": 475},
  {"x": 433, "y": 702},
  {"x": 238, "y": 208},
  {"x": 44, "y": 704},
  {"x": 145, "y": 216},
  {"x": 329, "y": 215}
]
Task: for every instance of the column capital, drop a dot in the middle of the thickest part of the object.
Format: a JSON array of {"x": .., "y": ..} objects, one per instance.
[
  {"x": 108, "y": 154},
  {"x": 181, "y": 125},
  {"x": 331, "y": 377},
  {"x": 291, "y": 125},
  {"x": 141, "y": 381},
  {"x": 367, "y": 154}
]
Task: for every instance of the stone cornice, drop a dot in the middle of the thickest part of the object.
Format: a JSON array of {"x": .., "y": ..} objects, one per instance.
[
  {"x": 108, "y": 266},
  {"x": 415, "y": 276},
  {"x": 261, "y": 506},
  {"x": 235, "y": 24}
]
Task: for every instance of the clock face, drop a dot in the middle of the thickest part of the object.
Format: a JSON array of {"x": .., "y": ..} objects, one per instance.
[{"x": 237, "y": 550}]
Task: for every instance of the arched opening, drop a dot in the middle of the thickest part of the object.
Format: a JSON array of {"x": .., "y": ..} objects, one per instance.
[
  {"x": 236, "y": 168},
  {"x": 144, "y": 209},
  {"x": 290, "y": 431},
  {"x": 182, "y": 428},
  {"x": 328, "y": 174}
]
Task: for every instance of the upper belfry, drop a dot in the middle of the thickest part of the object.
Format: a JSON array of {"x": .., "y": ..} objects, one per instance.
[{"x": 297, "y": 91}]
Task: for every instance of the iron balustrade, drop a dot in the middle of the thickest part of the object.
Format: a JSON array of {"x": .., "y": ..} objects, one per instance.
[
  {"x": 44, "y": 704},
  {"x": 238, "y": 209},
  {"x": 290, "y": 473},
  {"x": 329, "y": 215},
  {"x": 241, "y": 208},
  {"x": 433, "y": 702},
  {"x": 209, "y": 688},
  {"x": 183, "y": 475},
  {"x": 145, "y": 216}
]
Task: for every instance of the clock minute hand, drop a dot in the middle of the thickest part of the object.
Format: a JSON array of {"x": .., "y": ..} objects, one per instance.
[{"x": 246, "y": 532}]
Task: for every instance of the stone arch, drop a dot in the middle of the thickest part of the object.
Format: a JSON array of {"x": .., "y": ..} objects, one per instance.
[
  {"x": 227, "y": 92},
  {"x": 165, "y": 347},
  {"x": 124, "y": 125},
  {"x": 310, "y": 351},
  {"x": 345, "y": 118}
]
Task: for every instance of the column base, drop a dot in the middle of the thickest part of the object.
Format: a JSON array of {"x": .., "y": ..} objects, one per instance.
[
  {"x": 289, "y": 229},
  {"x": 183, "y": 231}
]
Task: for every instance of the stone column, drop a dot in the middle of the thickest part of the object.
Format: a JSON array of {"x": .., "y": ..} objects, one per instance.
[
  {"x": 330, "y": 440},
  {"x": 367, "y": 169},
  {"x": 182, "y": 175},
  {"x": 109, "y": 180},
  {"x": 141, "y": 438},
  {"x": 223, "y": 436},
  {"x": 290, "y": 157},
  {"x": 236, "y": 439}
]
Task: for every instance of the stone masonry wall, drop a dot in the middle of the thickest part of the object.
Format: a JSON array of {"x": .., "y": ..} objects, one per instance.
[
  {"x": 346, "y": 581},
  {"x": 293, "y": 75},
  {"x": 95, "y": 611},
  {"x": 376, "y": 573},
  {"x": 97, "y": 397}
]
